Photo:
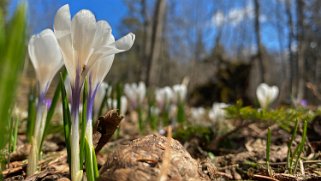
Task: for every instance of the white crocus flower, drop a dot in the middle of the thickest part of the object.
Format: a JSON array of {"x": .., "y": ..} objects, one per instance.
[
  {"x": 164, "y": 97},
  {"x": 46, "y": 58},
  {"x": 135, "y": 93},
  {"x": 179, "y": 92},
  {"x": 112, "y": 103},
  {"x": 197, "y": 113},
  {"x": 123, "y": 107},
  {"x": 266, "y": 94},
  {"x": 154, "y": 111},
  {"x": 87, "y": 47},
  {"x": 83, "y": 42},
  {"x": 217, "y": 113}
]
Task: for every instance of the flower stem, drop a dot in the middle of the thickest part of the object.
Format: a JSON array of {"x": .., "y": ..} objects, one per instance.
[
  {"x": 90, "y": 104},
  {"x": 89, "y": 158},
  {"x": 76, "y": 171},
  {"x": 34, "y": 155},
  {"x": 90, "y": 154}
]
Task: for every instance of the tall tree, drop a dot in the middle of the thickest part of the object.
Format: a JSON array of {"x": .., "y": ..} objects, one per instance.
[
  {"x": 292, "y": 61},
  {"x": 301, "y": 49},
  {"x": 156, "y": 40},
  {"x": 257, "y": 28},
  {"x": 145, "y": 39}
]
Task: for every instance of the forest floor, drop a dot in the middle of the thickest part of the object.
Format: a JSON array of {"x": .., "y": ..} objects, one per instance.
[{"x": 128, "y": 155}]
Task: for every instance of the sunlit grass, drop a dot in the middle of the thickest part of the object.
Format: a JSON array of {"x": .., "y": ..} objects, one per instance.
[{"x": 12, "y": 56}]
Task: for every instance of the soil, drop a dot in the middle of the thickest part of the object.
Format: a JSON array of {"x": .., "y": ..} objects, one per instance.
[{"x": 127, "y": 155}]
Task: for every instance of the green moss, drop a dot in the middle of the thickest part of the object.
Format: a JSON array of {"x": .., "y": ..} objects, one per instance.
[{"x": 193, "y": 131}]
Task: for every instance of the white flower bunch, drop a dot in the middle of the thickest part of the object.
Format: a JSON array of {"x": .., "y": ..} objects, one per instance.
[
  {"x": 217, "y": 113},
  {"x": 179, "y": 93},
  {"x": 266, "y": 94},
  {"x": 164, "y": 97},
  {"x": 135, "y": 93},
  {"x": 197, "y": 113}
]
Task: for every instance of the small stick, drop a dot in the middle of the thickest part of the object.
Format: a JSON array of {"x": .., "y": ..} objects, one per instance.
[
  {"x": 301, "y": 167},
  {"x": 264, "y": 177},
  {"x": 213, "y": 145},
  {"x": 283, "y": 163},
  {"x": 166, "y": 159}
]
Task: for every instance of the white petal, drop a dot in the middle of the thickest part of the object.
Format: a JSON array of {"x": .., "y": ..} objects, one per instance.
[
  {"x": 68, "y": 54},
  {"x": 103, "y": 35},
  {"x": 62, "y": 30},
  {"x": 180, "y": 91},
  {"x": 101, "y": 91},
  {"x": 123, "y": 108},
  {"x": 275, "y": 93},
  {"x": 126, "y": 42},
  {"x": 260, "y": 93},
  {"x": 121, "y": 45},
  {"x": 100, "y": 69},
  {"x": 83, "y": 28},
  {"x": 62, "y": 22},
  {"x": 45, "y": 56},
  {"x": 141, "y": 91}
]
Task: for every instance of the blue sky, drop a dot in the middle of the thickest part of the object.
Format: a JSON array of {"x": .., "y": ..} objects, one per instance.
[
  {"x": 113, "y": 11},
  {"x": 110, "y": 10}
]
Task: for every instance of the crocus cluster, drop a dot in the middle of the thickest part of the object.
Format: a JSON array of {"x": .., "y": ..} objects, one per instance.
[
  {"x": 266, "y": 94},
  {"x": 135, "y": 94},
  {"x": 179, "y": 93},
  {"x": 163, "y": 97},
  {"x": 86, "y": 47},
  {"x": 171, "y": 102},
  {"x": 170, "y": 95}
]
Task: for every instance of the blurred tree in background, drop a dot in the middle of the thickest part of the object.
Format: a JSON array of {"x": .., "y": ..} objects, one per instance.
[{"x": 270, "y": 41}]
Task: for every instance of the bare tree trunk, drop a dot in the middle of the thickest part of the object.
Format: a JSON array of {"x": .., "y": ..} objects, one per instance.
[
  {"x": 155, "y": 43},
  {"x": 257, "y": 27},
  {"x": 145, "y": 39},
  {"x": 279, "y": 28},
  {"x": 292, "y": 62},
  {"x": 300, "y": 40}
]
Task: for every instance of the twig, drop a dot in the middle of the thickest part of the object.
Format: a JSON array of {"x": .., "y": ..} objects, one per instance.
[
  {"x": 222, "y": 174},
  {"x": 283, "y": 163},
  {"x": 264, "y": 177},
  {"x": 213, "y": 145},
  {"x": 301, "y": 167},
  {"x": 166, "y": 159}
]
